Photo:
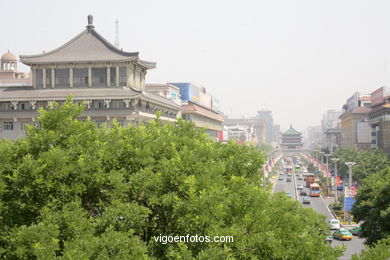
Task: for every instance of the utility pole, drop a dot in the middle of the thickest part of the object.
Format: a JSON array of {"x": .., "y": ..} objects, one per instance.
[
  {"x": 327, "y": 170},
  {"x": 335, "y": 160},
  {"x": 117, "y": 33}
]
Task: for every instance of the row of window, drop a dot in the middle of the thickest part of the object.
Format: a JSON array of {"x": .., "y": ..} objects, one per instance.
[
  {"x": 9, "y": 126},
  {"x": 80, "y": 77}
]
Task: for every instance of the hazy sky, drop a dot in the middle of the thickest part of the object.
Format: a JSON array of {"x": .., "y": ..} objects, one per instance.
[{"x": 296, "y": 58}]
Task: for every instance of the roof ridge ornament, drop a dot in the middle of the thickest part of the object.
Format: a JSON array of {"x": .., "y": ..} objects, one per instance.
[{"x": 90, "y": 23}]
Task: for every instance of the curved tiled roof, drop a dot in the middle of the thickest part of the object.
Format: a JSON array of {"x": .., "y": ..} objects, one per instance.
[
  {"x": 8, "y": 57},
  {"x": 88, "y": 46},
  {"x": 291, "y": 131}
]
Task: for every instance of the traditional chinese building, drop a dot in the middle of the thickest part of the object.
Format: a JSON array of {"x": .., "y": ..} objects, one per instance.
[
  {"x": 110, "y": 81},
  {"x": 291, "y": 139}
]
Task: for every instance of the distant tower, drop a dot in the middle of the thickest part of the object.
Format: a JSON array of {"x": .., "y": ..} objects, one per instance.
[{"x": 117, "y": 33}]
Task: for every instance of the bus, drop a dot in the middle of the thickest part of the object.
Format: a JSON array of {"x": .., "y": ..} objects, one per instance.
[
  {"x": 309, "y": 179},
  {"x": 314, "y": 190}
]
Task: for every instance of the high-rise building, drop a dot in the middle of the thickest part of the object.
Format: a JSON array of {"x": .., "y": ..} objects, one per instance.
[{"x": 266, "y": 115}]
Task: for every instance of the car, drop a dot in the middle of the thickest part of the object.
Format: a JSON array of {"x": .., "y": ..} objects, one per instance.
[
  {"x": 306, "y": 200},
  {"x": 342, "y": 234},
  {"x": 340, "y": 188},
  {"x": 356, "y": 230},
  {"x": 281, "y": 173},
  {"x": 289, "y": 174},
  {"x": 303, "y": 193},
  {"x": 300, "y": 177},
  {"x": 334, "y": 224},
  {"x": 300, "y": 187},
  {"x": 281, "y": 177},
  {"x": 288, "y": 194},
  {"x": 329, "y": 239},
  {"x": 288, "y": 179}
]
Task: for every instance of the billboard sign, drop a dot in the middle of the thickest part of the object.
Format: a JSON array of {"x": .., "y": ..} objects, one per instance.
[
  {"x": 378, "y": 95},
  {"x": 215, "y": 105},
  {"x": 348, "y": 203},
  {"x": 188, "y": 91},
  {"x": 205, "y": 99},
  {"x": 353, "y": 101}
]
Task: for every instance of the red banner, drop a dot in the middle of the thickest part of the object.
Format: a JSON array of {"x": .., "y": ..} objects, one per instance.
[{"x": 338, "y": 181}]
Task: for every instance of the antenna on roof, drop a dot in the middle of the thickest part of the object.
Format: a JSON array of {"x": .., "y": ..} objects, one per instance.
[{"x": 117, "y": 33}]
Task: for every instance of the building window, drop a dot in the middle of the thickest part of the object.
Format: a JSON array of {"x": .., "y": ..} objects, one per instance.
[
  {"x": 99, "y": 76},
  {"x": 5, "y": 106},
  {"x": 113, "y": 76},
  {"x": 39, "y": 77},
  {"x": 98, "y": 104},
  {"x": 8, "y": 126},
  {"x": 80, "y": 77},
  {"x": 122, "y": 76},
  {"x": 62, "y": 77},
  {"x": 134, "y": 73},
  {"x": 48, "y": 77}
]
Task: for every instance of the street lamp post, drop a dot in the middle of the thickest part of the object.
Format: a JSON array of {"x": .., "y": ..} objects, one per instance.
[
  {"x": 335, "y": 160},
  {"x": 327, "y": 170},
  {"x": 350, "y": 164},
  {"x": 322, "y": 159}
]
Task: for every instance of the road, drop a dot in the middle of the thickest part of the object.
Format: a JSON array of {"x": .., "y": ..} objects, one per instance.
[{"x": 352, "y": 247}]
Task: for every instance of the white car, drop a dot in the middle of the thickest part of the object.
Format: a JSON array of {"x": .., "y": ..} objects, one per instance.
[
  {"x": 334, "y": 224},
  {"x": 300, "y": 187}
]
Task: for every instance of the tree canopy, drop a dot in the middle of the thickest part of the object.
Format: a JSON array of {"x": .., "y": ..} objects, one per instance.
[
  {"x": 368, "y": 162},
  {"x": 72, "y": 190},
  {"x": 378, "y": 251},
  {"x": 372, "y": 206}
]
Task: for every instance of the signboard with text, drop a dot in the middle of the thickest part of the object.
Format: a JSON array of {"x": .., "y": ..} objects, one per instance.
[{"x": 348, "y": 203}]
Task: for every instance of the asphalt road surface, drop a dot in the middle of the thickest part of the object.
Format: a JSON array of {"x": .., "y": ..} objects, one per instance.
[{"x": 317, "y": 203}]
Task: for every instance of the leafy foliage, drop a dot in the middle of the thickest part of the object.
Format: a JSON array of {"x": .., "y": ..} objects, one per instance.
[
  {"x": 379, "y": 251},
  {"x": 372, "y": 206},
  {"x": 368, "y": 162},
  {"x": 71, "y": 190}
]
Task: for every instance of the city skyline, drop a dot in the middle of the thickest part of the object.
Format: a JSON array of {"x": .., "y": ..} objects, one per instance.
[{"x": 296, "y": 59}]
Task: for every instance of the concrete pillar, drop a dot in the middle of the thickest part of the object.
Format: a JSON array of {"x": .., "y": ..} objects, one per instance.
[
  {"x": 108, "y": 75},
  {"x": 117, "y": 76},
  {"x": 34, "y": 77},
  {"x": 71, "y": 77},
  {"x": 89, "y": 76},
  {"x": 129, "y": 75},
  {"x": 53, "y": 78},
  {"x": 44, "y": 77}
]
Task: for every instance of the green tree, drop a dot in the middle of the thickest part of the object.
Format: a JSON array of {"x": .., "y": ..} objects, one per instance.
[
  {"x": 73, "y": 190},
  {"x": 368, "y": 162},
  {"x": 372, "y": 206},
  {"x": 379, "y": 251}
]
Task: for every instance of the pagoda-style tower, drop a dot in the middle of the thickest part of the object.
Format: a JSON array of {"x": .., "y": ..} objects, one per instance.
[{"x": 292, "y": 139}]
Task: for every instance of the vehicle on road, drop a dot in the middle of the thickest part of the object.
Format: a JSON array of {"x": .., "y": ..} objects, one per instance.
[
  {"x": 289, "y": 174},
  {"x": 329, "y": 239},
  {"x": 342, "y": 234},
  {"x": 288, "y": 179},
  {"x": 306, "y": 200},
  {"x": 309, "y": 179},
  {"x": 340, "y": 188},
  {"x": 288, "y": 194},
  {"x": 315, "y": 190},
  {"x": 334, "y": 224},
  {"x": 356, "y": 231},
  {"x": 303, "y": 193},
  {"x": 300, "y": 177},
  {"x": 281, "y": 177},
  {"x": 300, "y": 187}
]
